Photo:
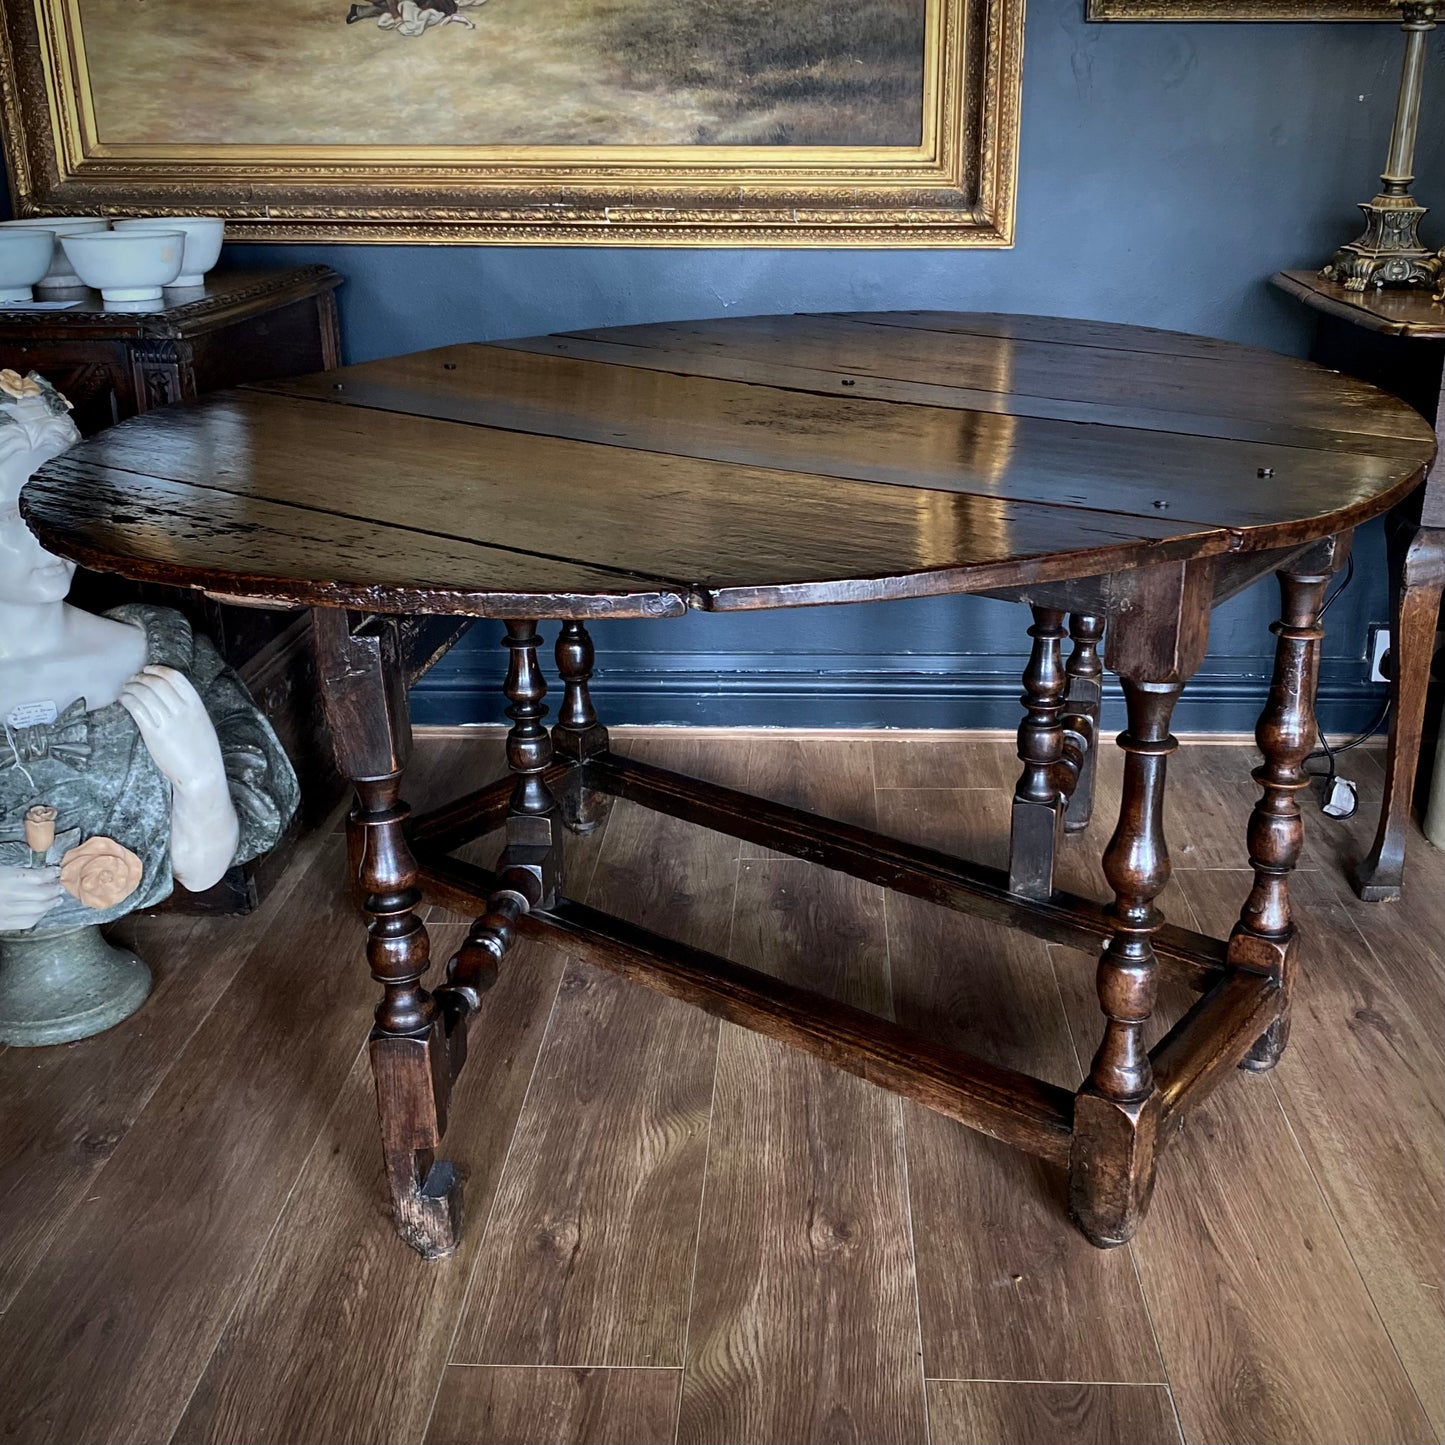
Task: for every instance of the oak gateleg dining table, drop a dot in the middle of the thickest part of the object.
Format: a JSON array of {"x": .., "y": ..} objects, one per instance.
[{"x": 1118, "y": 481}]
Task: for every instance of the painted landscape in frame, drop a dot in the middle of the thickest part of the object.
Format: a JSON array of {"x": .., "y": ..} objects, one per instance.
[
  {"x": 507, "y": 72},
  {"x": 695, "y": 122}
]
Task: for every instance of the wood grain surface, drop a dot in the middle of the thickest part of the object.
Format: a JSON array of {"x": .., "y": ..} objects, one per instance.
[
  {"x": 742, "y": 463},
  {"x": 591, "y": 1245},
  {"x": 228, "y": 1272},
  {"x": 325, "y": 1293},
  {"x": 135, "y": 1294},
  {"x": 521, "y": 1405},
  {"x": 978, "y": 1412},
  {"x": 1011, "y": 1297}
]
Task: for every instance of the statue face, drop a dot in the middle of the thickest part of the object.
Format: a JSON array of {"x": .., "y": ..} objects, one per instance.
[{"x": 29, "y": 575}]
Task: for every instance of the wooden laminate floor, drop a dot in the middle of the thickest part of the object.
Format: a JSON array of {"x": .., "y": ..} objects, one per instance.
[{"x": 680, "y": 1231}]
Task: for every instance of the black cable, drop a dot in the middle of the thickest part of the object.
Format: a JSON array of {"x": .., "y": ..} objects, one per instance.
[
  {"x": 1343, "y": 583},
  {"x": 1324, "y": 750},
  {"x": 1332, "y": 753}
]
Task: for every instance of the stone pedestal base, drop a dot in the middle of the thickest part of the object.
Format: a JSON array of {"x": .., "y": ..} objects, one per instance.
[{"x": 58, "y": 986}]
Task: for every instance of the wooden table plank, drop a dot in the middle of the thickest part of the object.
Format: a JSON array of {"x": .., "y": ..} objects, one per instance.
[
  {"x": 1063, "y": 331},
  {"x": 732, "y": 536},
  {"x": 196, "y": 536},
  {"x": 1202, "y": 480},
  {"x": 1211, "y": 387},
  {"x": 1281, "y": 429}
]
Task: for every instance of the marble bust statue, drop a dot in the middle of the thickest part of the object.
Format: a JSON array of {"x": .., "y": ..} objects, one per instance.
[{"x": 131, "y": 757}]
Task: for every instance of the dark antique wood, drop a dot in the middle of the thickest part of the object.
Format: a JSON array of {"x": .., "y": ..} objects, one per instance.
[
  {"x": 1108, "y": 477},
  {"x": 247, "y": 325},
  {"x": 1396, "y": 340}
]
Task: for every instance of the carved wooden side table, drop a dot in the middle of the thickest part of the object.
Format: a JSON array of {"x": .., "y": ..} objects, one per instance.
[
  {"x": 1107, "y": 477},
  {"x": 1395, "y": 339},
  {"x": 245, "y": 325}
]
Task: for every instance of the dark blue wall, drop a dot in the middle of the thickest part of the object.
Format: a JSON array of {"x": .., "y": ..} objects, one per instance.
[{"x": 1166, "y": 172}]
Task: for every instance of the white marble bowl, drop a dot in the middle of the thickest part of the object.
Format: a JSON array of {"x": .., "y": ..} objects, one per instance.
[
  {"x": 25, "y": 257},
  {"x": 203, "y": 234},
  {"x": 61, "y": 276},
  {"x": 127, "y": 265}
]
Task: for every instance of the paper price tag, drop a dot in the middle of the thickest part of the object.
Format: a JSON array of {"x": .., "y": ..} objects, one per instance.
[{"x": 32, "y": 714}]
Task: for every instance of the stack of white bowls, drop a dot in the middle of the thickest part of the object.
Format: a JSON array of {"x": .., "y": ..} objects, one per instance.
[{"x": 130, "y": 264}]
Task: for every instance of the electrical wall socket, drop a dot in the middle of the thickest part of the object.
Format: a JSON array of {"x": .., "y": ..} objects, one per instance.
[{"x": 1377, "y": 651}]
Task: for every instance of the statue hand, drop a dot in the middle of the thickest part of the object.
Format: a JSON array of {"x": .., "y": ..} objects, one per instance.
[
  {"x": 26, "y": 896},
  {"x": 175, "y": 728}
]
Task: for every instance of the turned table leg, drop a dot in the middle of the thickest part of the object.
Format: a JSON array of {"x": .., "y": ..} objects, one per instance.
[
  {"x": 529, "y": 872},
  {"x": 1083, "y": 704},
  {"x": 1116, "y": 1113},
  {"x": 1156, "y": 641},
  {"x": 364, "y": 695},
  {"x": 1264, "y": 938},
  {"x": 1417, "y": 575},
  {"x": 577, "y": 734},
  {"x": 1038, "y": 805}
]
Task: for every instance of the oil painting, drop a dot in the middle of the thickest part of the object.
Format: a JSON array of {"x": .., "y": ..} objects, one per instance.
[
  {"x": 508, "y": 72},
  {"x": 645, "y": 121}
]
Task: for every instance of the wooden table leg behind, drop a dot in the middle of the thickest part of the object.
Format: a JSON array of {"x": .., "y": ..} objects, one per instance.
[
  {"x": 1264, "y": 938},
  {"x": 1083, "y": 706},
  {"x": 577, "y": 734},
  {"x": 1417, "y": 575},
  {"x": 1155, "y": 644},
  {"x": 364, "y": 693},
  {"x": 529, "y": 873},
  {"x": 1038, "y": 806}
]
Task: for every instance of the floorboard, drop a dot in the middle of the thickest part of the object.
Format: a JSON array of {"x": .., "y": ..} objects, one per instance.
[
  {"x": 809, "y": 1273},
  {"x": 588, "y": 1257},
  {"x": 1007, "y": 1288},
  {"x": 1361, "y": 1086},
  {"x": 331, "y": 1298},
  {"x": 1267, "y": 1332},
  {"x": 108, "y": 1337},
  {"x": 983, "y": 1412},
  {"x": 520, "y": 1405}
]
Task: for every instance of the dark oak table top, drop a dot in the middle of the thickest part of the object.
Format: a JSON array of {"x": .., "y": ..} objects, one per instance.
[{"x": 738, "y": 463}]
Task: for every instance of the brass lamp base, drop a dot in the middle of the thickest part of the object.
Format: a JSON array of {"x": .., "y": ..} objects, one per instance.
[{"x": 1389, "y": 252}]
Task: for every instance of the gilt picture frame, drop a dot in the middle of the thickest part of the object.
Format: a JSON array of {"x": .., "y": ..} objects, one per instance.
[{"x": 789, "y": 123}]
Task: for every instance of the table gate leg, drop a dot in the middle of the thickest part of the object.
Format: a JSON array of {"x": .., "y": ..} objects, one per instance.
[
  {"x": 529, "y": 873},
  {"x": 1038, "y": 806},
  {"x": 1264, "y": 938},
  {"x": 578, "y": 735},
  {"x": 1083, "y": 705},
  {"x": 364, "y": 694}
]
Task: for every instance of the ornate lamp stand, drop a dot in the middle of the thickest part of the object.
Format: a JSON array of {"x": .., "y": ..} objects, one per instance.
[{"x": 1389, "y": 252}]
